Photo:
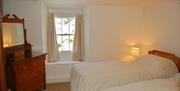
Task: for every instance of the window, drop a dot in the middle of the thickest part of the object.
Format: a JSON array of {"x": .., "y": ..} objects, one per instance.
[{"x": 65, "y": 28}]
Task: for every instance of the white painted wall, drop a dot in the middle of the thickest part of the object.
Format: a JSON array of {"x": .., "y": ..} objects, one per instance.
[
  {"x": 34, "y": 14},
  {"x": 44, "y": 20},
  {"x": 110, "y": 30},
  {"x": 162, "y": 28}
]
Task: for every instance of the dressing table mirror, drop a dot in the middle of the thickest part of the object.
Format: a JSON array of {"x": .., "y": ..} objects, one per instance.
[
  {"x": 13, "y": 34},
  {"x": 14, "y": 37}
]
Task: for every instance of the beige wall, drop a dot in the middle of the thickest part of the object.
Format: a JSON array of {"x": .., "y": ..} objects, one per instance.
[
  {"x": 110, "y": 30},
  {"x": 162, "y": 28},
  {"x": 156, "y": 27}
]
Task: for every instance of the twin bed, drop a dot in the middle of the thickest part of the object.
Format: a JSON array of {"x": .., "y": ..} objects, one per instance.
[
  {"x": 156, "y": 68},
  {"x": 167, "y": 84}
]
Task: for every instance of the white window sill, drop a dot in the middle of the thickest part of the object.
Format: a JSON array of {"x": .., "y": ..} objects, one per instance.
[
  {"x": 65, "y": 51},
  {"x": 63, "y": 62}
]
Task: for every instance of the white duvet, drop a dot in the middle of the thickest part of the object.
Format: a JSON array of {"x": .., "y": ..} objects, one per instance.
[
  {"x": 101, "y": 75},
  {"x": 171, "y": 84}
]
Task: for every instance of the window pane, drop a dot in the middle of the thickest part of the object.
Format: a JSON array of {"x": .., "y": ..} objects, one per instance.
[
  {"x": 72, "y": 25},
  {"x": 65, "y": 25},
  {"x": 65, "y": 43},
  {"x": 71, "y": 42},
  {"x": 59, "y": 42},
  {"x": 58, "y": 25}
]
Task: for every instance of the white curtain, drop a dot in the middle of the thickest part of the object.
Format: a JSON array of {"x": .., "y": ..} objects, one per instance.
[
  {"x": 53, "y": 53},
  {"x": 76, "y": 56}
]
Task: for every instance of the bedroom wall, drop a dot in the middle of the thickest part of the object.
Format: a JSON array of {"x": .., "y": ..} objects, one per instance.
[
  {"x": 44, "y": 20},
  {"x": 162, "y": 27},
  {"x": 34, "y": 14},
  {"x": 110, "y": 31}
]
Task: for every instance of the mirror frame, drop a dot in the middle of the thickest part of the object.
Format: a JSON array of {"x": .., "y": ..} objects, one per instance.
[
  {"x": 27, "y": 47},
  {"x": 15, "y": 19}
]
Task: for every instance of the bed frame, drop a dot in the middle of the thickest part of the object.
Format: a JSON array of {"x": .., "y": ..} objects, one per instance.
[{"x": 170, "y": 56}]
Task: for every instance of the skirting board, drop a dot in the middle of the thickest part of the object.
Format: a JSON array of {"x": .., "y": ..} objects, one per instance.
[{"x": 58, "y": 79}]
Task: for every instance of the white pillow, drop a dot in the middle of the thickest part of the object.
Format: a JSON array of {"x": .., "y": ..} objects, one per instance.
[{"x": 157, "y": 65}]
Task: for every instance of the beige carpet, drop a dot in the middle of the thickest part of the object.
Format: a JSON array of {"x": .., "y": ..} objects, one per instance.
[{"x": 58, "y": 87}]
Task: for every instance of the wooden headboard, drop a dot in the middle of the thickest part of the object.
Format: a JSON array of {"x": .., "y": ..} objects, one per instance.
[{"x": 170, "y": 56}]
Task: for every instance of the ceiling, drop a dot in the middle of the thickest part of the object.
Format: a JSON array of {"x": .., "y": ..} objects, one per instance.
[{"x": 82, "y": 3}]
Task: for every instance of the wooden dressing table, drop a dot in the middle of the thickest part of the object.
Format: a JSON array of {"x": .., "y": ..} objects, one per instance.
[{"x": 25, "y": 70}]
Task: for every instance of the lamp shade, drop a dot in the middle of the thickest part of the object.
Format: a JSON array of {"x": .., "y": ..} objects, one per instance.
[{"x": 135, "y": 51}]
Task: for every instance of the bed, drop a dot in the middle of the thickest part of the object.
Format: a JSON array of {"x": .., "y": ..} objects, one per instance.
[
  {"x": 102, "y": 75},
  {"x": 167, "y": 84}
]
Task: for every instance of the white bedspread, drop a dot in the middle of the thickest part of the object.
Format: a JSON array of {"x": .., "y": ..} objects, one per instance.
[
  {"x": 100, "y": 75},
  {"x": 171, "y": 84}
]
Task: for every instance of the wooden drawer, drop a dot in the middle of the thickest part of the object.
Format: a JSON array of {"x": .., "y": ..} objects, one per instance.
[
  {"x": 37, "y": 82},
  {"x": 37, "y": 62},
  {"x": 30, "y": 74}
]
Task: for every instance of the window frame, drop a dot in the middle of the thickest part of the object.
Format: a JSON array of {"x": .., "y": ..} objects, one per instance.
[{"x": 65, "y": 34}]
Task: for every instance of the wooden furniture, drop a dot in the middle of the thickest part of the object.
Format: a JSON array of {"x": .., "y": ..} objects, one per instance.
[
  {"x": 27, "y": 74},
  {"x": 2, "y": 64},
  {"x": 170, "y": 56},
  {"x": 25, "y": 71},
  {"x": 15, "y": 20}
]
